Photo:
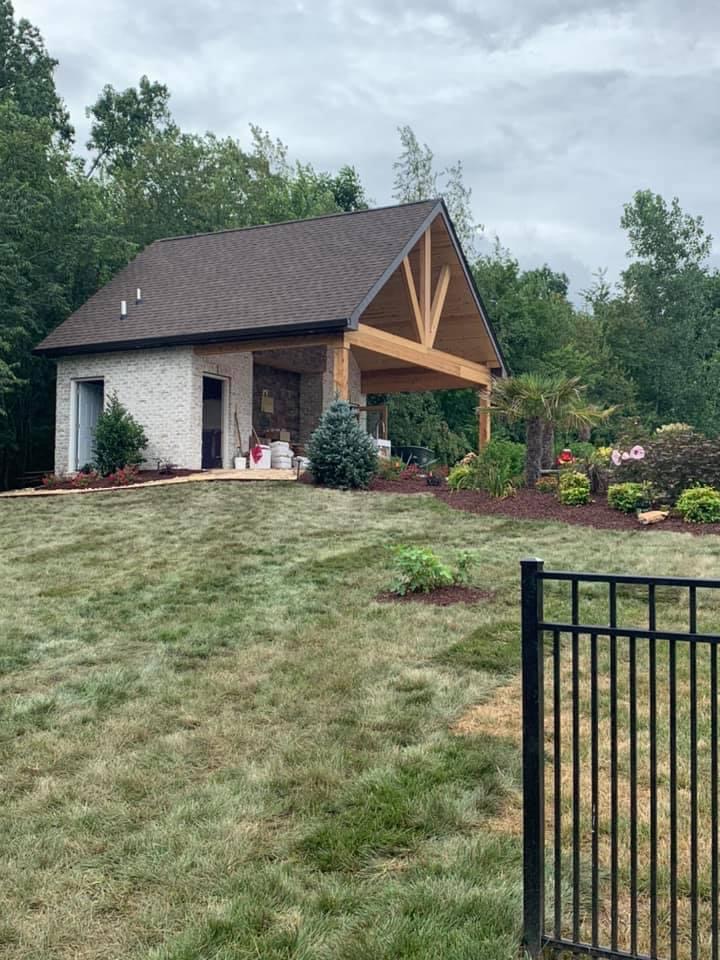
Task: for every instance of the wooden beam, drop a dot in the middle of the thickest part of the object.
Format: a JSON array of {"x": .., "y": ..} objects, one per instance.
[
  {"x": 413, "y": 297},
  {"x": 390, "y": 345},
  {"x": 279, "y": 343},
  {"x": 438, "y": 302},
  {"x": 484, "y": 425},
  {"x": 425, "y": 282},
  {"x": 341, "y": 372},
  {"x": 409, "y": 380}
]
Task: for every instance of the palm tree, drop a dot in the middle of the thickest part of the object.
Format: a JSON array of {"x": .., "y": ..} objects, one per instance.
[
  {"x": 524, "y": 399},
  {"x": 543, "y": 404}
]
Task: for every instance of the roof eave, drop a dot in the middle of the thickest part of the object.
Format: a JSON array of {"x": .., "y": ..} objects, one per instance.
[{"x": 222, "y": 336}]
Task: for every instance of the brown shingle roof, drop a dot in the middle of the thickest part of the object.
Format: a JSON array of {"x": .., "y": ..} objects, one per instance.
[{"x": 282, "y": 278}]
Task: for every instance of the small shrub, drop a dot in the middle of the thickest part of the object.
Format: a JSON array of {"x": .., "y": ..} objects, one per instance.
[
  {"x": 507, "y": 455},
  {"x": 699, "y": 505},
  {"x": 547, "y": 484},
  {"x": 124, "y": 477},
  {"x": 86, "y": 478},
  {"x": 341, "y": 454},
  {"x": 389, "y": 469},
  {"x": 119, "y": 439},
  {"x": 51, "y": 481},
  {"x": 420, "y": 570},
  {"x": 573, "y": 488},
  {"x": 462, "y": 477},
  {"x": 629, "y": 497},
  {"x": 496, "y": 469}
]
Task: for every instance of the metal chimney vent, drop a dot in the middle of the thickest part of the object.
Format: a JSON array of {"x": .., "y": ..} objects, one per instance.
[{"x": 123, "y": 309}]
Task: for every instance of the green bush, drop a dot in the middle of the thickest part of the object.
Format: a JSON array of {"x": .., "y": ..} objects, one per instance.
[
  {"x": 675, "y": 460},
  {"x": 420, "y": 570},
  {"x": 341, "y": 453},
  {"x": 573, "y": 488},
  {"x": 119, "y": 439},
  {"x": 505, "y": 454},
  {"x": 699, "y": 505},
  {"x": 629, "y": 497},
  {"x": 496, "y": 469}
]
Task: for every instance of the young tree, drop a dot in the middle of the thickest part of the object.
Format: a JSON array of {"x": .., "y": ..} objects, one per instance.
[
  {"x": 123, "y": 120},
  {"x": 341, "y": 453},
  {"x": 119, "y": 439},
  {"x": 417, "y": 179}
]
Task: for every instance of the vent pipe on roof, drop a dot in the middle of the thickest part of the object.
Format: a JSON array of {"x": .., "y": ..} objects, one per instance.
[
  {"x": 123, "y": 309},
  {"x": 138, "y": 295}
]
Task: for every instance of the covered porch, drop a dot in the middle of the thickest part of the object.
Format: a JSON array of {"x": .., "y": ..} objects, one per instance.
[{"x": 424, "y": 329}]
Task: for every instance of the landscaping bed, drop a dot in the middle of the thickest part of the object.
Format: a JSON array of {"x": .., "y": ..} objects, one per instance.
[
  {"x": 531, "y": 505},
  {"x": 102, "y": 483}
]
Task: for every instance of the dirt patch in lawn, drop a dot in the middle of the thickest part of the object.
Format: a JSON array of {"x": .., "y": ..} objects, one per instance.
[
  {"x": 444, "y": 597},
  {"x": 531, "y": 505}
]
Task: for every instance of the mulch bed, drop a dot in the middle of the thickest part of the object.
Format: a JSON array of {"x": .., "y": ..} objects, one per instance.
[
  {"x": 401, "y": 486},
  {"x": 443, "y": 597},
  {"x": 531, "y": 505},
  {"x": 101, "y": 483}
]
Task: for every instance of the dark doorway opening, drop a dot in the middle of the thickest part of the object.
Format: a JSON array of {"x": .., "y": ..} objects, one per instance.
[{"x": 212, "y": 423}]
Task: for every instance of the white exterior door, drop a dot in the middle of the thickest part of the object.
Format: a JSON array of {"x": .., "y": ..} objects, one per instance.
[{"x": 90, "y": 394}]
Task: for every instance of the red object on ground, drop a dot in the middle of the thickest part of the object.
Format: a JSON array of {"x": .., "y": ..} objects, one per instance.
[{"x": 565, "y": 456}]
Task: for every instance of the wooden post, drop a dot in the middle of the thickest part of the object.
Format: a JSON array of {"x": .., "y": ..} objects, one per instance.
[
  {"x": 484, "y": 426},
  {"x": 425, "y": 282},
  {"x": 341, "y": 372}
]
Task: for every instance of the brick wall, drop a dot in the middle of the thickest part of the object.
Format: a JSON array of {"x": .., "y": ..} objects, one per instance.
[
  {"x": 162, "y": 389},
  {"x": 284, "y": 388}
]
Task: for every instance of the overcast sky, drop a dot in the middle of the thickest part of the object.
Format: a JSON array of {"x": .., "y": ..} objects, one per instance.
[{"x": 559, "y": 109}]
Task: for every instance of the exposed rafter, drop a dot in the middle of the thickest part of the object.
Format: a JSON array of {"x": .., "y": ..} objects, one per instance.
[
  {"x": 407, "y": 351},
  {"x": 425, "y": 305},
  {"x": 438, "y": 302}
]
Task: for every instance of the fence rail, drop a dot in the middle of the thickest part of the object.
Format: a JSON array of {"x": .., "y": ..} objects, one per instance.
[{"x": 628, "y": 718}]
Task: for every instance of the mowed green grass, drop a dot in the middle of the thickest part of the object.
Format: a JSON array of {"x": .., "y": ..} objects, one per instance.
[{"x": 214, "y": 743}]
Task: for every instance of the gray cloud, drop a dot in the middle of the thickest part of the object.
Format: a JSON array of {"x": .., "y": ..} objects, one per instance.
[{"x": 559, "y": 109}]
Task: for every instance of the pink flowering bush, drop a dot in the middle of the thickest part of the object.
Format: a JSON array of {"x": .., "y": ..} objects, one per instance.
[{"x": 671, "y": 461}]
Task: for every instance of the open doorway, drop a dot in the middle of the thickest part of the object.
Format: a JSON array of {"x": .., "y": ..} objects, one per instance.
[
  {"x": 212, "y": 424},
  {"x": 89, "y": 401}
]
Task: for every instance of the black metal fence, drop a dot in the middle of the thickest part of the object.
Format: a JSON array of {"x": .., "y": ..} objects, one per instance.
[{"x": 620, "y": 765}]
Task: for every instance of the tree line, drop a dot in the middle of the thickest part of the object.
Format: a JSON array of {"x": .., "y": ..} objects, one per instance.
[{"x": 68, "y": 221}]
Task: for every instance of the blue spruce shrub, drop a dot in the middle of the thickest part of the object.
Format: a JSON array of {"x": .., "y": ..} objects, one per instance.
[{"x": 341, "y": 453}]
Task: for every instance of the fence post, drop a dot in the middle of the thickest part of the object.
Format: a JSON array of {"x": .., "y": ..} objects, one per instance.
[{"x": 533, "y": 758}]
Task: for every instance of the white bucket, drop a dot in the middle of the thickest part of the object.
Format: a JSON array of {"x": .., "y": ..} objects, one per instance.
[
  {"x": 280, "y": 448},
  {"x": 282, "y": 463},
  {"x": 264, "y": 462},
  {"x": 240, "y": 463}
]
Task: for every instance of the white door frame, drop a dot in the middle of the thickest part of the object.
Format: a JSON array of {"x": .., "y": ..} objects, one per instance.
[
  {"x": 227, "y": 434},
  {"x": 73, "y": 465}
]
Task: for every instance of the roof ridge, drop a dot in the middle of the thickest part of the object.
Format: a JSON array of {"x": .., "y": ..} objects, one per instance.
[{"x": 282, "y": 223}]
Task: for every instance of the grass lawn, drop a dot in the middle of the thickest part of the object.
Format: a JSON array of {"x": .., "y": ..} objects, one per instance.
[{"x": 215, "y": 744}]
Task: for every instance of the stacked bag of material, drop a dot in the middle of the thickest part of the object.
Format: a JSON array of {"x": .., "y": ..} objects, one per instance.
[{"x": 281, "y": 456}]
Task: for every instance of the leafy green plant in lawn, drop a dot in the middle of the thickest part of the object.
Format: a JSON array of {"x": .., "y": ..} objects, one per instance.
[
  {"x": 573, "y": 488},
  {"x": 699, "y": 505},
  {"x": 420, "y": 570},
  {"x": 119, "y": 439},
  {"x": 629, "y": 497},
  {"x": 341, "y": 453}
]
